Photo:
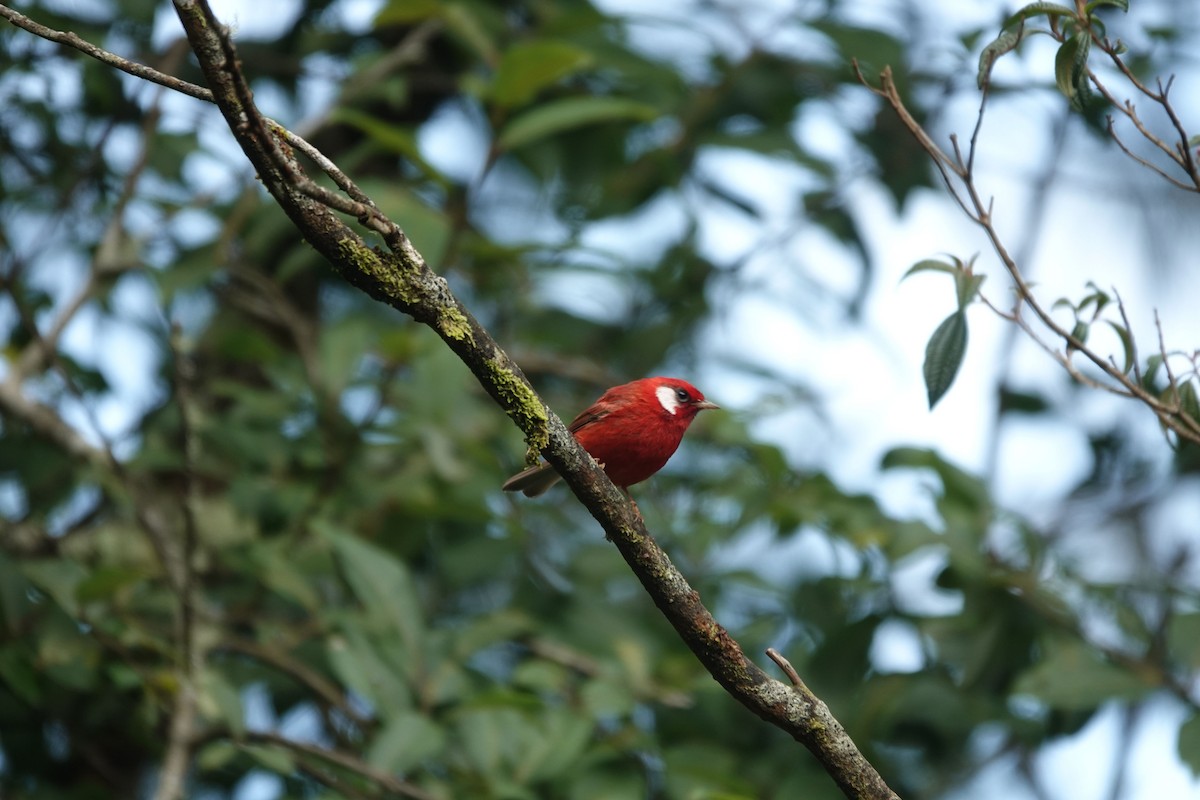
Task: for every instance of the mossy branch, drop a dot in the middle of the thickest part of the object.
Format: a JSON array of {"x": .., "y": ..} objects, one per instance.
[{"x": 400, "y": 277}]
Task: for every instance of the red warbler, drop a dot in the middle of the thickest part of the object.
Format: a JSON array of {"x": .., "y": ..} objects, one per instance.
[{"x": 631, "y": 431}]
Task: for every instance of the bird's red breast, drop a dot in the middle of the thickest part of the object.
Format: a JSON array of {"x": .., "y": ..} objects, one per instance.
[{"x": 633, "y": 429}]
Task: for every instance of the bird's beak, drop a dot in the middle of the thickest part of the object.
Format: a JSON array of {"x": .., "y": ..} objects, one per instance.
[{"x": 705, "y": 404}]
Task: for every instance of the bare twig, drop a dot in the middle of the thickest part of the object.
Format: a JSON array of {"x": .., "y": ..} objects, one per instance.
[
  {"x": 357, "y": 204},
  {"x": 313, "y": 680},
  {"x": 102, "y": 55},
  {"x": 787, "y": 668}
]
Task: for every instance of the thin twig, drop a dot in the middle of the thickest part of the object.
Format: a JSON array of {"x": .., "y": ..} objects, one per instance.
[
  {"x": 357, "y": 204},
  {"x": 787, "y": 668},
  {"x": 385, "y": 780},
  {"x": 112, "y": 59},
  {"x": 191, "y": 660},
  {"x": 1170, "y": 414},
  {"x": 299, "y": 671}
]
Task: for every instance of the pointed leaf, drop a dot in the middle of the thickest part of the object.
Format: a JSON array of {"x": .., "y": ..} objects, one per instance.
[
  {"x": 944, "y": 355},
  {"x": 1008, "y": 40},
  {"x": 272, "y": 758},
  {"x": 1126, "y": 345},
  {"x": 1073, "y": 677},
  {"x": 967, "y": 286},
  {"x": 1189, "y": 403},
  {"x": 382, "y": 583},
  {"x": 931, "y": 265},
  {"x": 528, "y": 68},
  {"x": 405, "y": 742},
  {"x": 1070, "y": 68},
  {"x": 572, "y": 112}
]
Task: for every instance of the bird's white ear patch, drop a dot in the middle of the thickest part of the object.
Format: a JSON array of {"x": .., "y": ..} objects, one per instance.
[{"x": 668, "y": 400}]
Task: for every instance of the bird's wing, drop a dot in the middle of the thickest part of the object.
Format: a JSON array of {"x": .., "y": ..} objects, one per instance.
[{"x": 588, "y": 416}]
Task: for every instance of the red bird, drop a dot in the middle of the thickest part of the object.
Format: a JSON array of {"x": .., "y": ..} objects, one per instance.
[{"x": 631, "y": 431}]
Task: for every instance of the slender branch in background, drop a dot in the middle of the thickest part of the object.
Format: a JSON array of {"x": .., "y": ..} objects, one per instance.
[
  {"x": 191, "y": 660},
  {"x": 338, "y": 758},
  {"x": 403, "y": 280},
  {"x": 357, "y": 203},
  {"x": 102, "y": 55},
  {"x": 956, "y": 174},
  {"x": 590, "y": 667},
  {"x": 1035, "y": 213},
  {"x": 1131, "y": 714},
  {"x": 299, "y": 671}
]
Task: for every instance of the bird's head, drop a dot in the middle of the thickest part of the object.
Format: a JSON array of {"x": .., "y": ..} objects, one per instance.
[{"x": 678, "y": 397}]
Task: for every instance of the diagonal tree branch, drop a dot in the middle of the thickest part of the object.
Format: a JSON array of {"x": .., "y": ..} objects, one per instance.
[{"x": 402, "y": 279}]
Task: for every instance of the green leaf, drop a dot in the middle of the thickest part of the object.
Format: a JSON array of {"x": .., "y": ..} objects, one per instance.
[
  {"x": 274, "y": 759},
  {"x": 1189, "y": 744},
  {"x": 1183, "y": 639},
  {"x": 405, "y": 742},
  {"x": 1189, "y": 403},
  {"x": 106, "y": 581},
  {"x": 966, "y": 284},
  {"x": 529, "y": 67},
  {"x": 1150, "y": 373},
  {"x": 1126, "y": 345},
  {"x": 488, "y": 735},
  {"x": 388, "y": 134},
  {"x": 1009, "y": 39},
  {"x": 1080, "y": 331},
  {"x": 572, "y": 112},
  {"x": 382, "y": 583},
  {"x": 1039, "y": 10},
  {"x": 406, "y": 12},
  {"x": 932, "y": 265},
  {"x": 944, "y": 355},
  {"x": 1091, "y": 7},
  {"x": 219, "y": 700},
  {"x": 216, "y": 755},
  {"x": 278, "y": 571},
  {"x": 359, "y": 666},
  {"x": 19, "y": 676},
  {"x": 463, "y": 21},
  {"x": 1017, "y": 402},
  {"x": 1073, "y": 677},
  {"x": 1070, "y": 68},
  {"x": 342, "y": 346},
  {"x": 556, "y": 747},
  {"x": 59, "y": 578}
]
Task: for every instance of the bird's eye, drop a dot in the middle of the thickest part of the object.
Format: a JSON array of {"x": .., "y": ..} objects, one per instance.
[{"x": 682, "y": 395}]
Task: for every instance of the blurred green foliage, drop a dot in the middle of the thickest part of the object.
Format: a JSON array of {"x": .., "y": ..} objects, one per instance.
[{"x": 362, "y": 585}]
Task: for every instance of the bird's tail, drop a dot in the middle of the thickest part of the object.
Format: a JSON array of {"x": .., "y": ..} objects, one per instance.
[{"x": 533, "y": 481}]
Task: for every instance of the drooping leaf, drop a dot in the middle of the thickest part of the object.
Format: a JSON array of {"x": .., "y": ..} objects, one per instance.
[
  {"x": 1008, "y": 40},
  {"x": 1070, "y": 68},
  {"x": 944, "y": 355}
]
